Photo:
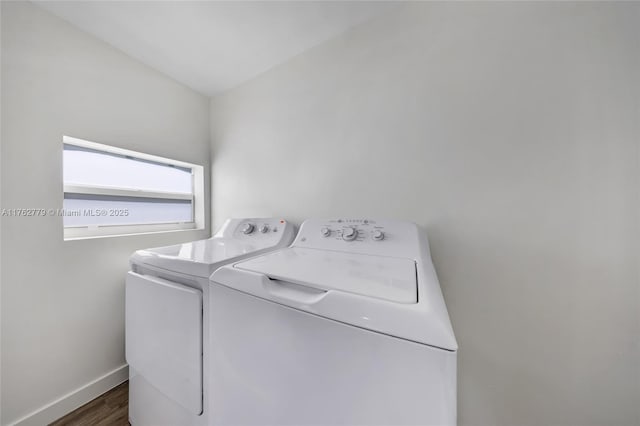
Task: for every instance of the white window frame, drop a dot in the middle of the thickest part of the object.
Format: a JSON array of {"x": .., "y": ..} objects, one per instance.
[{"x": 99, "y": 231}]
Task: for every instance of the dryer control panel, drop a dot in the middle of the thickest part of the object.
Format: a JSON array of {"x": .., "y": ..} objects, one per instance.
[
  {"x": 258, "y": 227},
  {"x": 257, "y": 230},
  {"x": 360, "y": 235}
]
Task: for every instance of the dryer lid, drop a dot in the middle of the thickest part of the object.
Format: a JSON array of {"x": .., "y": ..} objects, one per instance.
[
  {"x": 386, "y": 278},
  {"x": 197, "y": 258}
]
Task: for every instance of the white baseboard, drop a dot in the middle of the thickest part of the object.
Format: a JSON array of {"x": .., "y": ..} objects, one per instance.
[{"x": 75, "y": 399}]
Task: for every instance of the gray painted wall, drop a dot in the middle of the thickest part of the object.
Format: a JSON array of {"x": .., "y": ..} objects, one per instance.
[
  {"x": 63, "y": 302},
  {"x": 510, "y": 132}
]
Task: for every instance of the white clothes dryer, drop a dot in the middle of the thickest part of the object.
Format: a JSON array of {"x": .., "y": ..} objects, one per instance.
[
  {"x": 167, "y": 318},
  {"x": 347, "y": 326}
]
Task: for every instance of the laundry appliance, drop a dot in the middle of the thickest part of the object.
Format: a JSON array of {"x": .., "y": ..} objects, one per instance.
[
  {"x": 347, "y": 326},
  {"x": 167, "y": 318}
]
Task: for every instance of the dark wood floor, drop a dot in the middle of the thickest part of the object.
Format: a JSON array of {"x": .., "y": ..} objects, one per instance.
[{"x": 109, "y": 409}]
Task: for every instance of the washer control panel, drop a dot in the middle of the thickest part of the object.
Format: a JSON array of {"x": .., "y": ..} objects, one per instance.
[
  {"x": 357, "y": 230},
  {"x": 382, "y": 237}
]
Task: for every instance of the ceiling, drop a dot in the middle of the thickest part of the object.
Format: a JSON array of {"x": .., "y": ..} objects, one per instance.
[{"x": 212, "y": 46}]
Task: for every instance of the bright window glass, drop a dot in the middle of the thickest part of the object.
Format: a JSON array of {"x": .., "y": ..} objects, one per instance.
[
  {"x": 112, "y": 191},
  {"x": 120, "y": 211},
  {"x": 89, "y": 167}
]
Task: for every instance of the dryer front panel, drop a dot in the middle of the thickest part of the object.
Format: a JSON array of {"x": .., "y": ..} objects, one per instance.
[{"x": 164, "y": 337}]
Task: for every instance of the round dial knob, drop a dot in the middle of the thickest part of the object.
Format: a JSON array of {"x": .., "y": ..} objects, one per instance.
[
  {"x": 325, "y": 232},
  {"x": 248, "y": 228},
  {"x": 349, "y": 234},
  {"x": 264, "y": 228},
  {"x": 377, "y": 235}
]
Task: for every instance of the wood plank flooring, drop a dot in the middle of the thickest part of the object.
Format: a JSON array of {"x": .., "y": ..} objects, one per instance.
[{"x": 109, "y": 409}]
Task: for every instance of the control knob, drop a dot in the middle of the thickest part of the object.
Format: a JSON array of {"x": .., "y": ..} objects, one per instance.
[
  {"x": 264, "y": 228},
  {"x": 349, "y": 234},
  {"x": 248, "y": 228},
  {"x": 325, "y": 232},
  {"x": 377, "y": 235}
]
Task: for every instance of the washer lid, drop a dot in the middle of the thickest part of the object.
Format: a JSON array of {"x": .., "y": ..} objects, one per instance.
[
  {"x": 386, "y": 278},
  {"x": 197, "y": 258}
]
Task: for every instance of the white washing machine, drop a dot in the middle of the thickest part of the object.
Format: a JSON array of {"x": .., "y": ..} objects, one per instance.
[
  {"x": 167, "y": 316},
  {"x": 347, "y": 326}
]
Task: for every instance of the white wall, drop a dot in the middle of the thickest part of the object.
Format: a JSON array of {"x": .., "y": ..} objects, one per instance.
[
  {"x": 510, "y": 131},
  {"x": 63, "y": 302}
]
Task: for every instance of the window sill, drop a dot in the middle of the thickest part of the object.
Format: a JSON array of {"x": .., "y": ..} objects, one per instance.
[{"x": 84, "y": 233}]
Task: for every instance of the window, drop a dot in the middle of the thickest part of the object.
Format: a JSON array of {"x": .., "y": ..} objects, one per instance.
[{"x": 113, "y": 191}]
